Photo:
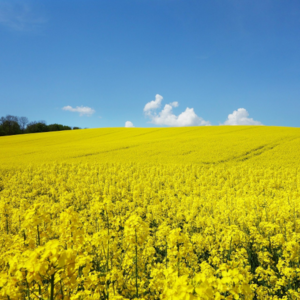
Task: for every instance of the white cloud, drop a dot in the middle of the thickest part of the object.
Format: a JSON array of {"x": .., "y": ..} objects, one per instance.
[
  {"x": 240, "y": 117},
  {"x": 166, "y": 116},
  {"x": 128, "y": 124},
  {"x": 174, "y": 104},
  {"x": 19, "y": 16},
  {"x": 154, "y": 104},
  {"x": 82, "y": 110}
]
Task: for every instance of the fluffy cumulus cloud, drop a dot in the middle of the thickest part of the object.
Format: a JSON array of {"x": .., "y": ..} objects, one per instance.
[
  {"x": 240, "y": 117},
  {"x": 154, "y": 104},
  {"x": 167, "y": 117},
  {"x": 128, "y": 124},
  {"x": 82, "y": 110}
]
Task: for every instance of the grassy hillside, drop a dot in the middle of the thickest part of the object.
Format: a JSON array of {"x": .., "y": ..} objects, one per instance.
[{"x": 261, "y": 145}]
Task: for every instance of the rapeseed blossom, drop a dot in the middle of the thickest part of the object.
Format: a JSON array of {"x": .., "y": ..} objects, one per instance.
[{"x": 89, "y": 229}]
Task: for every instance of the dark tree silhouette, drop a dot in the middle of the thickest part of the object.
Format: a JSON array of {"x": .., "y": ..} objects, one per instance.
[
  {"x": 33, "y": 127},
  {"x": 23, "y": 121},
  {"x": 10, "y": 125},
  {"x": 58, "y": 127}
]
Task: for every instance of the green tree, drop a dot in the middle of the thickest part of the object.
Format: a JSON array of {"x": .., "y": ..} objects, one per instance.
[{"x": 9, "y": 125}]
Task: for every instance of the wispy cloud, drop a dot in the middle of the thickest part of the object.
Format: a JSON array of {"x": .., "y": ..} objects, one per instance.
[
  {"x": 82, "y": 110},
  {"x": 240, "y": 117},
  {"x": 166, "y": 116},
  {"x": 20, "y": 16}
]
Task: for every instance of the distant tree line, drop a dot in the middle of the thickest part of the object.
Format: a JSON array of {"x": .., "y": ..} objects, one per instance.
[{"x": 11, "y": 125}]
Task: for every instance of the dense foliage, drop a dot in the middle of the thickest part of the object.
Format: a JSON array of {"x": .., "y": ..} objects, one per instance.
[
  {"x": 84, "y": 229},
  {"x": 11, "y": 125}
]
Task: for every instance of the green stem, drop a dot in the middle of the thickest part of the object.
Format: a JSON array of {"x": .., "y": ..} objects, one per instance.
[
  {"x": 7, "y": 224},
  {"x": 28, "y": 289},
  {"x": 38, "y": 235},
  {"x": 24, "y": 236},
  {"x": 166, "y": 255},
  {"x": 61, "y": 290},
  {"x": 107, "y": 264},
  {"x": 52, "y": 287},
  {"x": 178, "y": 261},
  {"x": 136, "y": 267},
  {"x": 40, "y": 290}
]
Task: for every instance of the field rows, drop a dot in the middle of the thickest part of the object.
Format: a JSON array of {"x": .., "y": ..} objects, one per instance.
[{"x": 215, "y": 217}]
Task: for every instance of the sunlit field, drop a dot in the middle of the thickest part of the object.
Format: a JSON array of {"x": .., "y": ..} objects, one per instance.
[{"x": 154, "y": 213}]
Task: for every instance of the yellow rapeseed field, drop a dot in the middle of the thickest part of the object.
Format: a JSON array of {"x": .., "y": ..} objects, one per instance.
[{"x": 158, "y": 213}]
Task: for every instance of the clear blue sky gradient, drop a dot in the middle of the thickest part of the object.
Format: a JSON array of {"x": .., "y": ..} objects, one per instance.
[{"x": 114, "y": 55}]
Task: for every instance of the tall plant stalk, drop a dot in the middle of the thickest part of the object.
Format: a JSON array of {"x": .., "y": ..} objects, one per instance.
[{"x": 136, "y": 268}]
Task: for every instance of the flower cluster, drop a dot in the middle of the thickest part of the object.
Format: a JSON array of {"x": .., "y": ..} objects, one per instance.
[{"x": 149, "y": 231}]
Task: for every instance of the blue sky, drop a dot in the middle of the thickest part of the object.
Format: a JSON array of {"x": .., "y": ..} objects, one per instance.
[{"x": 199, "y": 62}]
